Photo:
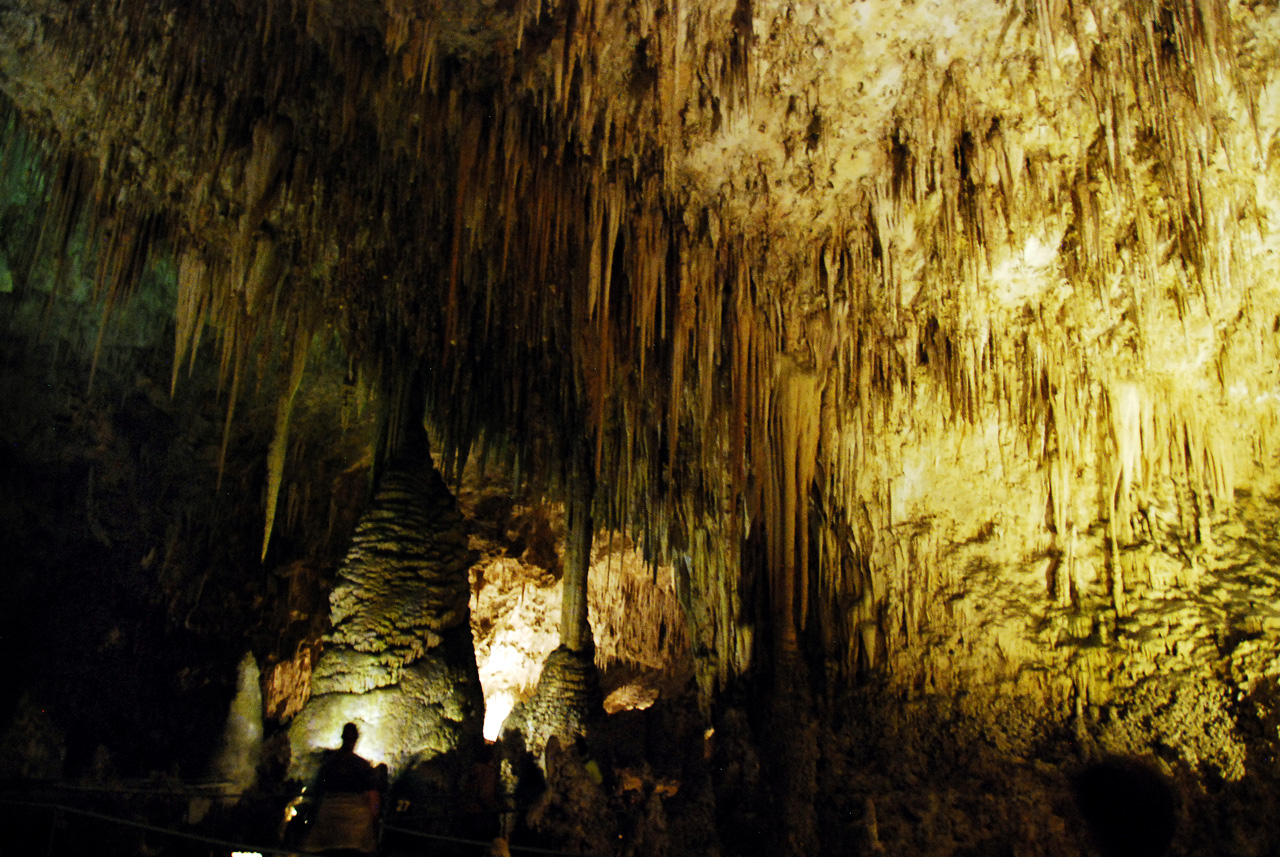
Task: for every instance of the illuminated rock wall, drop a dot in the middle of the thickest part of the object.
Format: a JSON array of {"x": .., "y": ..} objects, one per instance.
[
  {"x": 936, "y": 342},
  {"x": 637, "y": 621},
  {"x": 804, "y": 271}
]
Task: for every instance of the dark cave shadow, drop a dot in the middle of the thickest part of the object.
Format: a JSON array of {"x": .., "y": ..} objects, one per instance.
[{"x": 1130, "y": 807}]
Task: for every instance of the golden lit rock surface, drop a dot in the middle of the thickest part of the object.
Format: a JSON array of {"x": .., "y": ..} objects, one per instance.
[{"x": 936, "y": 341}]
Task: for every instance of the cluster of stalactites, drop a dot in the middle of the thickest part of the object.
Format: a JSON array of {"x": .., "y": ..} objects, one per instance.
[
  {"x": 540, "y": 249},
  {"x": 787, "y": 363},
  {"x": 1083, "y": 372}
]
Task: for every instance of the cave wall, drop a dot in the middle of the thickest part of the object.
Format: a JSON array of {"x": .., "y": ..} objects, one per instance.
[
  {"x": 820, "y": 275},
  {"x": 933, "y": 344}
]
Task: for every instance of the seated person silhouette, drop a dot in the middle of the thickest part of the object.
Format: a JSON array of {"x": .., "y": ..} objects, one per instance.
[{"x": 349, "y": 798}]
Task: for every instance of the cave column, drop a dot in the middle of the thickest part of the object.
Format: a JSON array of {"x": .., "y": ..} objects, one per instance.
[
  {"x": 575, "y": 630},
  {"x": 568, "y": 699},
  {"x": 790, "y": 740}
]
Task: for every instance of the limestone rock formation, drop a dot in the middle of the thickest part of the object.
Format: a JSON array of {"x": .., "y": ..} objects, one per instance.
[
  {"x": 399, "y": 660},
  {"x": 933, "y": 345},
  {"x": 566, "y": 702}
]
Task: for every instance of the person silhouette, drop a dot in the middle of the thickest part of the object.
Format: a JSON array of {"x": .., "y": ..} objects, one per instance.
[{"x": 349, "y": 799}]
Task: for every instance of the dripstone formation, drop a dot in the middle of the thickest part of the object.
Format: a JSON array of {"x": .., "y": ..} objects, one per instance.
[
  {"x": 930, "y": 350},
  {"x": 399, "y": 660}
]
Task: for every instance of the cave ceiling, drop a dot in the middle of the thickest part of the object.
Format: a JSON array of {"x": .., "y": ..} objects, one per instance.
[{"x": 866, "y": 285}]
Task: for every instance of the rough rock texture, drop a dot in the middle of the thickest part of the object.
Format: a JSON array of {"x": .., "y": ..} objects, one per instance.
[
  {"x": 637, "y": 620},
  {"x": 842, "y": 276},
  {"x": 399, "y": 660},
  {"x": 566, "y": 702},
  {"x": 130, "y": 575},
  {"x": 574, "y": 811},
  {"x": 404, "y": 579},
  {"x": 934, "y": 342}
]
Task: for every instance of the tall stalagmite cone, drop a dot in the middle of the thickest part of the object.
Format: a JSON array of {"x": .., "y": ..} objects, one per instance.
[{"x": 400, "y": 661}]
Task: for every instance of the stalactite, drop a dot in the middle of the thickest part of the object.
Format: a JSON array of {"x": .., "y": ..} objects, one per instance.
[
  {"x": 280, "y": 436},
  {"x": 237, "y": 348},
  {"x": 193, "y": 288},
  {"x": 795, "y": 426},
  {"x": 569, "y": 249}
]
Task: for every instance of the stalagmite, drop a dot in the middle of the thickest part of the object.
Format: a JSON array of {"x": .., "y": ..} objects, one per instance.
[
  {"x": 241, "y": 748},
  {"x": 399, "y": 660},
  {"x": 933, "y": 343},
  {"x": 568, "y": 698}
]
